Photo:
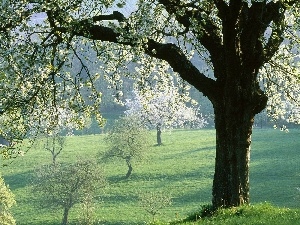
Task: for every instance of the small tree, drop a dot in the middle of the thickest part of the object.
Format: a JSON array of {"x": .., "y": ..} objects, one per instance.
[
  {"x": 65, "y": 185},
  {"x": 50, "y": 142},
  {"x": 52, "y": 131},
  {"x": 54, "y": 144},
  {"x": 86, "y": 215},
  {"x": 164, "y": 108},
  {"x": 152, "y": 202},
  {"x": 6, "y": 202},
  {"x": 127, "y": 140}
]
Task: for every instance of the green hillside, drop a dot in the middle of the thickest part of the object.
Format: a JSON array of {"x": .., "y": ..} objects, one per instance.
[{"x": 182, "y": 167}]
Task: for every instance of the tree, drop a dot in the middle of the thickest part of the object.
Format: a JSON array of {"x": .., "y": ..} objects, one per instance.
[
  {"x": 153, "y": 202},
  {"x": 7, "y": 200},
  {"x": 128, "y": 140},
  {"x": 163, "y": 108},
  {"x": 65, "y": 185},
  {"x": 54, "y": 144},
  {"x": 250, "y": 49},
  {"x": 52, "y": 136}
]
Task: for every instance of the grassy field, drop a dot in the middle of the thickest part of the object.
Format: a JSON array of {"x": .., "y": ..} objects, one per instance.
[
  {"x": 183, "y": 167},
  {"x": 263, "y": 213}
]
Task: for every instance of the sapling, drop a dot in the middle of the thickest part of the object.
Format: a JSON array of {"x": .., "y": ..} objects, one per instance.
[{"x": 153, "y": 201}]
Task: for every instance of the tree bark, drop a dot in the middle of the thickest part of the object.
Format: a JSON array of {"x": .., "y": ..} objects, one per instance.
[
  {"x": 240, "y": 100},
  {"x": 65, "y": 216},
  {"x": 129, "y": 168},
  {"x": 233, "y": 139},
  {"x": 158, "y": 134}
]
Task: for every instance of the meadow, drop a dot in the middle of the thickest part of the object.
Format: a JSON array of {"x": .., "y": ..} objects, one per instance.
[{"x": 182, "y": 167}]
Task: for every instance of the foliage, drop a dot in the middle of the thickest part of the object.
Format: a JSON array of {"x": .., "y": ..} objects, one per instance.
[
  {"x": 152, "y": 202},
  {"x": 86, "y": 214},
  {"x": 164, "y": 107},
  {"x": 250, "y": 51},
  {"x": 65, "y": 185},
  {"x": 51, "y": 136},
  {"x": 7, "y": 200},
  {"x": 128, "y": 140},
  {"x": 44, "y": 41}
]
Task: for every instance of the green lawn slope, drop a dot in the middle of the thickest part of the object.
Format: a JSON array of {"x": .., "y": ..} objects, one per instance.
[
  {"x": 182, "y": 167},
  {"x": 263, "y": 213}
]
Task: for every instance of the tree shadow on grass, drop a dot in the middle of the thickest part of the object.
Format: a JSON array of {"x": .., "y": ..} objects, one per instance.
[
  {"x": 190, "y": 152},
  {"x": 203, "y": 194},
  {"x": 76, "y": 223},
  {"x": 115, "y": 179},
  {"x": 202, "y": 172},
  {"x": 120, "y": 223},
  {"x": 274, "y": 167},
  {"x": 19, "y": 180},
  {"x": 115, "y": 199},
  {"x": 44, "y": 223}
]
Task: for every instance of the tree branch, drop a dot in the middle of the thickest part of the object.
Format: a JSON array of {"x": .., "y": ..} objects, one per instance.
[
  {"x": 211, "y": 30},
  {"x": 273, "y": 14},
  {"x": 222, "y": 8},
  {"x": 209, "y": 33},
  {"x": 87, "y": 28},
  {"x": 114, "y": 16},
  {"x": 187, "y": 71},
  {"x": 168, "y": 52}
]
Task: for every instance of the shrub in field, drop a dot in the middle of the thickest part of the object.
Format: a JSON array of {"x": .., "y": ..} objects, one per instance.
[
  {"x": 86, "y": 214},
  {"x": 6, "y": 202},
  {"x": 64, "y": 185},
  {"x": 128, "y": 140},
  {"x": 153, "y": 201}
]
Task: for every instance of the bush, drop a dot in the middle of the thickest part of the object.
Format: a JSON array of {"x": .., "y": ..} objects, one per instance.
[
  {"x": 6, "y": 202},
  {"x": 86, "y": 214}
]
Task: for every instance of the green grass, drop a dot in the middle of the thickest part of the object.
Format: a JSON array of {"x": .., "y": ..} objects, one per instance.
[
  {"x": 183, "y": 167},
  {"x": 263, "y": 213}
]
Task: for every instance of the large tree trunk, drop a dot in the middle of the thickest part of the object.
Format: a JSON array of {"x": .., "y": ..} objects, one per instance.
[
  {"x": 233, "y": 139},
  {"x": 239, "y": 101},
  {"x": 239, "y": 98}
]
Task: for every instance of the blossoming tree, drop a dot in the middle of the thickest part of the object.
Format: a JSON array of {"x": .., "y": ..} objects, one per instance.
[
  {"x": 250, "y": 49},
  {"x": 163, "y": 109}
]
